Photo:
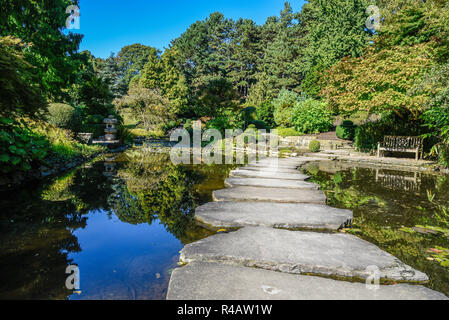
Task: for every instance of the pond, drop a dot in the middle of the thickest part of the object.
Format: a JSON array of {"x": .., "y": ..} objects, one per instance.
[
  {"x": 404, "y": 213},
  {"x": 122, "y": 221}
]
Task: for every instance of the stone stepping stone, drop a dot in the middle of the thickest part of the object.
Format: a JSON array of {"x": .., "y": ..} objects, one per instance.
[
  {"x": 270, "y": 183},
  {"x": 269, "y": 175},
  {"x": 301, "y": 252},
  {"x": 269, "y": 169},
  {"x": 213, "y": 281},
  {"x": 269, "y": 214},
  {"x": 270, "y": 195},
  {"x": 274, "y": 165}
]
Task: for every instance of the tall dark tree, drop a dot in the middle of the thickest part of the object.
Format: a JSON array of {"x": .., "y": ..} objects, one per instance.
[{"x": 41, "y": 24}]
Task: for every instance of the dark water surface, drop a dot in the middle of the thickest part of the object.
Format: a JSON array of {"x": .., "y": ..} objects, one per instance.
[
  {"x": 122, "y": 221},
  {"x": 404, "y": 213}
]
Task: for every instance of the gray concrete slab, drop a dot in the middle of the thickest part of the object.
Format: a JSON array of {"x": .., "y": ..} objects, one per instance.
[
  {"x": 270, "y": 183},
  {"x": 295, "y": 175},
  {"x": 212, "y": 281},
  {"x": 301, "y": 252},
  {"x": 270, "y": 195},
  {"x": 226, "y": 214}
]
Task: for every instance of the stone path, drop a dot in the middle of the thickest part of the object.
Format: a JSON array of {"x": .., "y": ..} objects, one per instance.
[
  {"x": 213, "y": 281},
  {"x": 262, "y": 261},
  {"x": 228, "y": 214}
]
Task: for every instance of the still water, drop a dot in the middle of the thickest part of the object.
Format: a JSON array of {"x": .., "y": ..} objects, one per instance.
[
  {"x": 405, "y": 213},
  {"x": 122, "y": 221}
]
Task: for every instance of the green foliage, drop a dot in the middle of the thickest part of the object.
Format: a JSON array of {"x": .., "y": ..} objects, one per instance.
[
  {"x": 64, "y": 116},
  {"x": 346, "y": 130},
  {"x": 368, "y": 135},
  {"x": 312, "y": 116},
  {"x": 288, "y": 132},
  {"x": 51, "y": 50},
  {"x": 283, "y": 107},
  {"x": 20, "y": 148},
  {"x": 265, "y": 113},
  {"x": 314, "y": 146},
  {"x": 333, "y": 29},
  {"x": 20, "y": 88},
  {"x": 148, "y": 106},
  {"x": 434, "y": 90}
]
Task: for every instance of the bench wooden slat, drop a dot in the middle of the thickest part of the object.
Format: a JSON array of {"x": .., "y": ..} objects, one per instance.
[{"x": 401, "y": 144}]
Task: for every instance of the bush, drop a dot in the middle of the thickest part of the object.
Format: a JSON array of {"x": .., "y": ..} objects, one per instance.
[
  {"x": 283, "y": 107},
  {"x": 64, "y": 116},
  {"x": 258, "y": 124},
  {"x": 312, "y": 116},
  {"x": 367, "y": 136},
  {"x": 346, "y": 130},
  {"x": 288, "y": 132},
  {"x": 314, "y": 146},
  {"x": 20, "y": 148},
  {"x": 265, "y": 113},
  {"x": 219, "y": 123}
]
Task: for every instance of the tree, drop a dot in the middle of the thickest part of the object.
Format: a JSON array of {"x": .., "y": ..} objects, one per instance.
[
  {"x": 21, "y": 92},
  {"x": 149, "y": 106},
  {"x": 165, "y": 75},
  {"x": 41, "y": 24},
  {"x": 132, "y": 59},
  {"x": 333, "y": 29}
]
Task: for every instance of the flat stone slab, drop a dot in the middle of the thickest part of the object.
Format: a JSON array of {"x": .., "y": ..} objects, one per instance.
[
  {"x": 212, "y": 281},
  {"x": 295, "y": 175},
  {"x": 270, "y": 214},
  {"x": 301, "y": 252},
  {"x": 270, "y": 183},
  {"x": 274, "y": 165},
  {"x": 268, "y": 169},
  {"x": 270, "y": 195}
]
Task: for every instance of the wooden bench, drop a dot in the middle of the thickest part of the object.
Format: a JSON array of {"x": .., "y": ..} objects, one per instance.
[{"x": 401, "y": 144}]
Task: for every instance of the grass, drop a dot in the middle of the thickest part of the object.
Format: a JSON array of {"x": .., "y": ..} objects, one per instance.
[{"x": 61, "y": 142}]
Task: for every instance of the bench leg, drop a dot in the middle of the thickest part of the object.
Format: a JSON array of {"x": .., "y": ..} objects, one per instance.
[{"x": 378, "y": 150}]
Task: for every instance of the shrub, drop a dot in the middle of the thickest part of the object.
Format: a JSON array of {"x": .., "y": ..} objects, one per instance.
[
  {"x": 64, "y": 116},
  {"x": 288, "y": 132},
  {"x": 265, "y": 113},
  {"x": 283, "y": 107},
  {"x": 219, "y": 123},
  {"x": 346, "y": 130},
  {"x": 367, "y": 136},
  {"x": 314, "y": 146},
  {"x": 20, "y": 148},
  {"x": 312, "y": 116},
  {"x": 258, "y": 124}
]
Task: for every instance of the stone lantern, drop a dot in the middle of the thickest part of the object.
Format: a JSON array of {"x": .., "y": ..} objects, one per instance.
[{"x": 110, "y": 130}]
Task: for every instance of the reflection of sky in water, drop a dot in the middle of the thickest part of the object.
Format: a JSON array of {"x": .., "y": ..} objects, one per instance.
[{"x": 123, "y": 261}]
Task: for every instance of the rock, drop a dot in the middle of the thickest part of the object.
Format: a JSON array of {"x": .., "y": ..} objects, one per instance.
[
  {"x": 301, "y": 252},
  {"x": 269, "y": 195},
  {"x": 295, "y": 175},
  {"x": 269, "y": 214},
  {"x": 270, "y": 183},
  {"x": 212, "y": 281}
]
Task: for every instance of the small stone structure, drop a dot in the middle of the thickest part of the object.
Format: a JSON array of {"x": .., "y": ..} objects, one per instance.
[
  {"x": 109, "y": 139},
  {"x": 110, "y": 130}
]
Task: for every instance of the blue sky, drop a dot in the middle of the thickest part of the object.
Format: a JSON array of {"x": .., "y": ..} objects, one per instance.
[{"x": 108, "y": 25}]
